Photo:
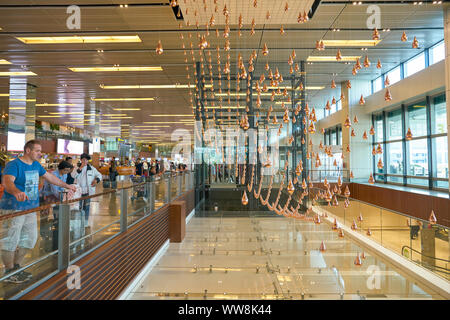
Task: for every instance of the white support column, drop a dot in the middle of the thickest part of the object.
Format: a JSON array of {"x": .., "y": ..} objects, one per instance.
[
  {"x": 360, "y": 158},
  {"x": 447, "y": 70},
  {"x": 22, "y": 107}
]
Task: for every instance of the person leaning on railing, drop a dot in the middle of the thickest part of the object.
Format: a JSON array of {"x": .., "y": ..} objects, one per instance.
[
  {"x": 70, "y": 179},
  {"x": 87, "y": 177},
  {"x": 113, "y": 173},
  {"x": 52, "y": 193},
  {"x": 21, "y": 182}
]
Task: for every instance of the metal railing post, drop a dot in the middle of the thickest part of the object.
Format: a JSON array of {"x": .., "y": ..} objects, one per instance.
[
  {"x": 152, "y": 196},
  {"x": 63, "y": 236},
  {"x": 169, "y": 188},
  {"x": 180, "y": 184},
  {"x": 123, "y": 209}
]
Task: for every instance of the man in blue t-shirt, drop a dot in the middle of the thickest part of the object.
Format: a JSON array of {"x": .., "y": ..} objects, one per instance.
[{"x": 21, "y": 182}]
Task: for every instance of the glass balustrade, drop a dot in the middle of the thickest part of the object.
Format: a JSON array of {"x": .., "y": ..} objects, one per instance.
[
  {"x": 59, "y": 234},
  {"x": 418, "y": 240}
]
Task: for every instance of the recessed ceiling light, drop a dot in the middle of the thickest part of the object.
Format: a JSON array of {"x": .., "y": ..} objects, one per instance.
[
  {"x": 122, "y": 117},
  {"x": 114, "y": 69},
  {"x": 122, "y": 99},
  {"x": 49, "y": 116},
  {"x": 127, "y": 109},
  {"x": 55, "y": 105},
  {"x": 74, "y": 113},
  {"x": 79, "y": 39},
  {"x": 153, "y": 86},
  {"x": 25, "y": 100},
  {"x": 166, "y": 122},
  {"x": 17, "y": 73},
  {"x": 350, "y": 43},
  {"x": 150, "y": 126},
  {"x": 332, "y": 58},
  {"x": 314, "y": 87},
  {"x": 171, "y": 115}
]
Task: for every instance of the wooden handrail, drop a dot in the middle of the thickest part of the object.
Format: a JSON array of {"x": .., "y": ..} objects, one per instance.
[{"x": 52, "y": 204}]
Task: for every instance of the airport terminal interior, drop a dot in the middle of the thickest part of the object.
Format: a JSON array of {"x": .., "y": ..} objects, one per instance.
[{"x": 224, "y": 150}]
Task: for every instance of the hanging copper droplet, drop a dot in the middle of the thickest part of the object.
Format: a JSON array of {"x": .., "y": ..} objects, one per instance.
[
  {"x": 347, "y": 122},
  {"x": 409, "y": 135},
  {"x": 379, "y": 64},
  {"x": 361, "y": 100},
  {"x": 404, "y": 38},
  {"x": 347, "y": 191},
  {"x": 380, "y": 164},
  {"x": 415, "y": 44},
  {"x": 290, "y": 187},
  {"x": 335, "y": 225},
  {"x": 322, "y": 45},
  {"x": 338, "y": 55},
  {"x": 333, "y": 84},
  {"x": 318, "y": 45},
  {"x": 366, "y": 62},
  {"x": 358, "y": 64},
  {"x": 244, "y": 199},
  {"x": 432, "y": 219},
  {"x": 159, "y": 48},
  {"x": 265, "y": 50},
  {"x": 375, "y": 34},
  {"x": 358, "y": 261},
  {"x": 387, "y": 95},
  {"x": 225, "y": 11},
  {"x": 322, "y": 247}
]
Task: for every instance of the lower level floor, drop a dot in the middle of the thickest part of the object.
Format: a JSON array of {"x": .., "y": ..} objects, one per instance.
[{"x": 260, "y": 257}]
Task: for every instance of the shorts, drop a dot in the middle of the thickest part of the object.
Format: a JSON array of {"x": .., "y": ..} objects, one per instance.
[{"x": 20, "y": 231}]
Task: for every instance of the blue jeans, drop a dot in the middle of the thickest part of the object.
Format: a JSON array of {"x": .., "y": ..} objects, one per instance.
[{"x": 85, "y": 205}]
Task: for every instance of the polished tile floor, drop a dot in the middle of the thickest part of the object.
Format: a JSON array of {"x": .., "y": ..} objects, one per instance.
[{"x": 271, "y": 258}]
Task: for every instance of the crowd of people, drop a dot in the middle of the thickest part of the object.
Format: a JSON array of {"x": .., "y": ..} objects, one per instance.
[
  {"x": 27, "y": 185},
  {"x": 21, "y": 181},
  {"x": 152, "y": 168}
]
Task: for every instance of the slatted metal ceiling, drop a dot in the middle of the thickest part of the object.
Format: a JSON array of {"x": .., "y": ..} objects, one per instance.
[{"x": 157, "y": 22}]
